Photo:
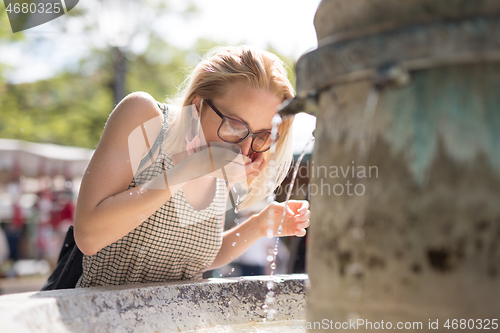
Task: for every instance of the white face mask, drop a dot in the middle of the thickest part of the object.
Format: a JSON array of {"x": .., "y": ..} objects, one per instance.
[{"x": 194, "y": 137}]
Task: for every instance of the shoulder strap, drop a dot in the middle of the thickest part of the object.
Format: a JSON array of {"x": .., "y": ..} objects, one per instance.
[{"x": 164, "y": 108}]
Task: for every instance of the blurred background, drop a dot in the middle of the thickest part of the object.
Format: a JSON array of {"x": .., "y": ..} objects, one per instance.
[{"x": 59, "y": 82}]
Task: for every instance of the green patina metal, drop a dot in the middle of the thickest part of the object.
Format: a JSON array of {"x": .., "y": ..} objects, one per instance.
[{"x": 455, "y": 106}]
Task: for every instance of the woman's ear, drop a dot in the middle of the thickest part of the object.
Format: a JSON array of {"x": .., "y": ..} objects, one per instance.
[{"x": 197, "y": 101}]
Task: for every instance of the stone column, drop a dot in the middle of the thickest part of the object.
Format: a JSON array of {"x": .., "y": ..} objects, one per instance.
[{"x": 406, "y": 180}]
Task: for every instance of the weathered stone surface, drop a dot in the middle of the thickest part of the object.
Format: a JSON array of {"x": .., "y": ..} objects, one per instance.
[
  {"x": 349, "y": 16},
  {"x": 423, "y": 241},
  {"x": 413, "y": 47},
  {"x": 159, "y": 307}
]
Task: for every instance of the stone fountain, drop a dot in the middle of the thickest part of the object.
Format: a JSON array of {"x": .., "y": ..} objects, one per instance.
[
  {"x": 156, "y": 307},
  {"x": 406, "y": 212},
  {"x": 406, "y": 216}
]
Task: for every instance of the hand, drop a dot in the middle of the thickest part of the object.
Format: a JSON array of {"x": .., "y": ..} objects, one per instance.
[
  {"x": 257, "y": 165},
  {"x": 225, "y": 161},
  {"x": 297, "y": 218}
]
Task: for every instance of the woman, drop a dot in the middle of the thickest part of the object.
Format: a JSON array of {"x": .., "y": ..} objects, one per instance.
[{"x": 163, "y": 220}]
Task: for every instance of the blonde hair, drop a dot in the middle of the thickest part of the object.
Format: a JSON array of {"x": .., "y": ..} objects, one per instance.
[{"x": 220, "y": 68}]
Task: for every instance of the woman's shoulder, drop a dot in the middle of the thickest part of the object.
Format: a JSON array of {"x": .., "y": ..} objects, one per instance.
[
  {"x": 137, "y": 112},
  {"x": 140, "y": 105}
]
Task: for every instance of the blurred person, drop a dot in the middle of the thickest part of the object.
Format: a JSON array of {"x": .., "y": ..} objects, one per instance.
[
  {"x": 4, "y": 247},
  {"x": 163, "y": 220},
  {"x": 43, "y": 208}
]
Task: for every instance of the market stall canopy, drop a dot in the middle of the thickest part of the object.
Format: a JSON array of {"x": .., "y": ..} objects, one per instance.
[{"x": 36, "y": 159}]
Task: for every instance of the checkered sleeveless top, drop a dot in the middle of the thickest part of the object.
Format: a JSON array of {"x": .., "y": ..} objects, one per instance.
[{"x": 176, "y": 242}]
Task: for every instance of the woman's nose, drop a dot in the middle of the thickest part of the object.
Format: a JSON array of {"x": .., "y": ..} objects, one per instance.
[{"x": 245, "y": 146}]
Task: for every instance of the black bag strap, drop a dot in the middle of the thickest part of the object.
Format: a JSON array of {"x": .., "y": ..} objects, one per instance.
[
  {"x": 66, "y": 265},
  {"x": 69, "y": 265}
]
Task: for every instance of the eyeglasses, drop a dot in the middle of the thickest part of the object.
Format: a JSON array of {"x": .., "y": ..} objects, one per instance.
[{"x": 234, "y": 131}]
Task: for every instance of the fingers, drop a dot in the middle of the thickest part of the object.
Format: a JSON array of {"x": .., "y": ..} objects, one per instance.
[
  {"x": 300, "y": 230},
  {"x": 302, "y": 218},
  {"x": 300, "y": 233},
  {"x": 257, "y": 158},
  {"x": 299, "y": 206},
  {"x": 303, "y": 224},
  {"x": 294, "y": 224},
  {"x": 255, "y": 168},
  {"x": 304, "y": 208}
]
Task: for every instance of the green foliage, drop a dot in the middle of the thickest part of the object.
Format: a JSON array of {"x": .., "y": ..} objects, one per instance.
[
  {"x": 67, "y": 110},
  {"x": 6, "y": 34},
  {"x": 159, "y": 71},
  {"x": 72, "y": 107}
]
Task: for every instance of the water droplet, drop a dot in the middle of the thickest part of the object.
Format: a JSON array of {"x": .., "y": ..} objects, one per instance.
[
  {"x": 264, "y": 307},
  {"x": 270, "y": 258},
  {"x": 276, "y": 120},
  {"x": 270, "y": 199},
  {"x": 220, "y": 275},
  {"x": 271, "y": 314},
  {"x": 275, "y": 252},
  {"x": 358, "y": 233},
  {"x": 234, "y": 244},
  {"x": 354, "y": 316},
  {"x": 232, "y": 270},
  {"x": 269, "y": 233},
  {"x": 270, "y": 294},
  {"x": 355, "y": 269},
  {"x": 238, "y": 234},
  {"x": 280, "y": 229},
  {"x": 236, "y": 221},
  {"x": 270, "y": 285},
  {"x": 236, "y": 211},
  {"x": 273, "y": 266}
]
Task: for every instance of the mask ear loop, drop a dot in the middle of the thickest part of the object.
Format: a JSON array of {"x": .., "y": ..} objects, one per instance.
[
  {"x": 194, "y": 140},
  {"x": 198, "y": 116}
]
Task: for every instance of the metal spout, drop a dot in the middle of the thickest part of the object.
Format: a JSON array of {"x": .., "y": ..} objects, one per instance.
[{"x": 292, "y": 106}]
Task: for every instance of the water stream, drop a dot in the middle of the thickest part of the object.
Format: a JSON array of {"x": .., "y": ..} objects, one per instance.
[{"x": 267, "y": 307}]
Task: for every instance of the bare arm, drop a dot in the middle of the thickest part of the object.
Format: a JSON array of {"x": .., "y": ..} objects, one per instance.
[
  {"x": 247, "y": 233},
  {"x": 106, "y": 211},
  {"x": 243, "y": 236}
]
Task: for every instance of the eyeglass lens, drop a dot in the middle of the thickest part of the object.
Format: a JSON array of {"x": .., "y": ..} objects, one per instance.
[{"x": 235, "y": 131}]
